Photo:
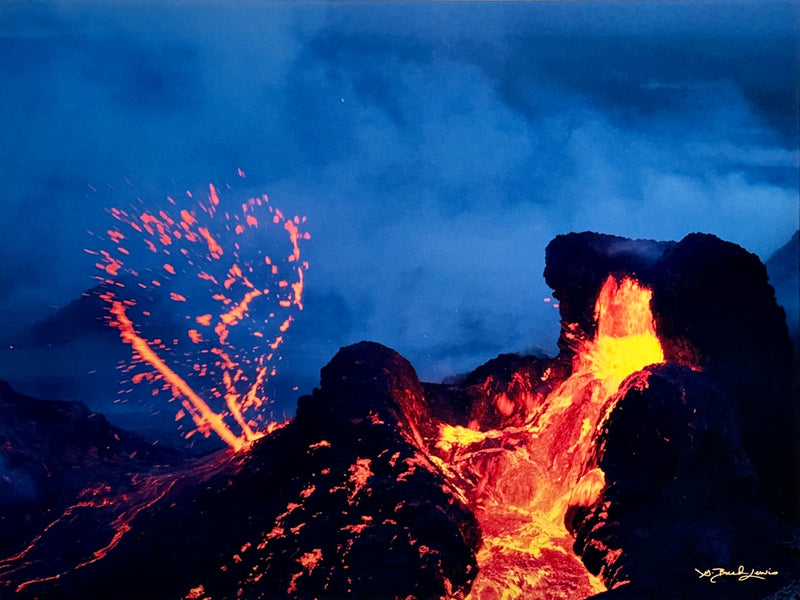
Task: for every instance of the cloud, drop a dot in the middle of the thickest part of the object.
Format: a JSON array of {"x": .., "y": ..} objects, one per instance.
[{"x": 435, "y": 148}]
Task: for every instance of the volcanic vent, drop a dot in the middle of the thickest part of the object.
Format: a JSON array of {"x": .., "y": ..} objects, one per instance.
[{"x": 658, "y": 446}]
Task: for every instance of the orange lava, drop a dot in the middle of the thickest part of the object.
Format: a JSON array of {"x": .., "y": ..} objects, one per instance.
[
  {"x": 201, "y": 412},
  {"x": 112, "y": 265},
  {"x": 626, "y": 339},
  {"x": 235, "y": 376},
  {"x": 297, "y": 288},
  {"x": 151, "y": 491},
  {"x": 520, "y": 480},
  {"x": 213, "y": 193},
  {"x": 234, "y": 315},
  {"x": 360, "y": 474},
  {"x": 213, "y": 246}
]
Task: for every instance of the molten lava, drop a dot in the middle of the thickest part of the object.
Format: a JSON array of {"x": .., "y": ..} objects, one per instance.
[
  {"x": 521, "y": 480},
  {"x": 195, "y": 251},
  {"x": 626, "y": 339},
  {"x": 204, "y": 417},
  {"x": 209, "y": 257}
]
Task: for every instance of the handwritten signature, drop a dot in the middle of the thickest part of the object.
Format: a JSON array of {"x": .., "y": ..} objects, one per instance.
[{"x": 741, "y": 574}]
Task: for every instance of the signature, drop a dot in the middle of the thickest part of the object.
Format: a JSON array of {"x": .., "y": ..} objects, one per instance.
[{"x": 741, "y": 574}]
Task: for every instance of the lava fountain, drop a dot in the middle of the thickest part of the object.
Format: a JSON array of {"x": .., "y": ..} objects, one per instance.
[
  {"x": 236, "y": 300},
  {"x": 520, "y": 480},
  {"x": 235, "y": 321}
]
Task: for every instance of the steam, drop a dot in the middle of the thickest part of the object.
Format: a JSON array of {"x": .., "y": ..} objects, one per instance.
[
  {"x": 435, "y": 155},
  {"x": 17, "y": 485}
]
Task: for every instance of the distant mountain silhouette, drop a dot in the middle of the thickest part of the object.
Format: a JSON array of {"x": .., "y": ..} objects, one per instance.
[{"x": 784, "y": 275}]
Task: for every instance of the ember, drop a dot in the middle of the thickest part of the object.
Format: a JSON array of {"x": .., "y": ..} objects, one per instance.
[{"x": 207, "y": 244}]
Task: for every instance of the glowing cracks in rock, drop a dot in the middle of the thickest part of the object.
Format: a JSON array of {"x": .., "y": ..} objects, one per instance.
[
  {"x": 359, "y": 475},
  {"x": 308, "y": 561},
  {"x": 148, "y": 493}
]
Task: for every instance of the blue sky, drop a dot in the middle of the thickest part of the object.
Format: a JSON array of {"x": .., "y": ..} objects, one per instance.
[{"x": 435, "y": 148}]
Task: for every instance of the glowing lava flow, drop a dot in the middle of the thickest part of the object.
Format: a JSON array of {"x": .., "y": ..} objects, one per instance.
[
  {"x": 211, "y": 261},
  {"x": 151, "y": 491},
  {"x": 106, "y": 517},
  {"x": 626, "y": 339},
  {"x": 520, "y": 480},
  {"x": 205, "y": 417}
]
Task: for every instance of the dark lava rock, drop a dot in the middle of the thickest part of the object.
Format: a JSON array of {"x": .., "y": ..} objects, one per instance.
[
  {"x": 503, "y": 392},
  {"x": 714, "y": 309},
  {"x": 679, "y": 496},
  {"x": 577, "y": 265},
  {"x": 715, "y": 295},
  {"x": 339, "y": 503},
  {"x": 370, "y": 379},
  {"x": 450, "y": 403},
  {"x": 51, "y": 451}
]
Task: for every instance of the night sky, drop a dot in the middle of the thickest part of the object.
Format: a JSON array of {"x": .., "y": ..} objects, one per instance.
[{"x": 435, "y": 148}]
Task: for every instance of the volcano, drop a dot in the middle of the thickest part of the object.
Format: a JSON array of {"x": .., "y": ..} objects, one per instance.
[{"x": 655, "y": 457}]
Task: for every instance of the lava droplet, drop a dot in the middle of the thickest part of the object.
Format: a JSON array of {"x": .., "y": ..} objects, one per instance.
[{"x": 217, "y": 274}]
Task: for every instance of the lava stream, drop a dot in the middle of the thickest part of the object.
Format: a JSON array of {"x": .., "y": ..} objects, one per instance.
[{"x": 521, "y": 480}]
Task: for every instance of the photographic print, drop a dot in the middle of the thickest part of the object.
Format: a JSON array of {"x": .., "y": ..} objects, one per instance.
[{"x": 399, "y": 300}]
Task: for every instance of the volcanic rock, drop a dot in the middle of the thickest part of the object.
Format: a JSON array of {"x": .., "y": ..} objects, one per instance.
[
  {"x": 714, "y": 309},
  {"x": 338, "y": 503},
  {"x": 371, "y": 491},
  {"x": 784, "y": 275},
  {"x": 679, "y": 496},
  {"x": 577, "y": 264},
  {"x": 503, "y": 392},
  {"x": 52, "y": 451}
]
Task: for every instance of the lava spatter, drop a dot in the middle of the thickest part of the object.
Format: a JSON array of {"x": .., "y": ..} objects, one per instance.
[{"x": 232, "y": 281}]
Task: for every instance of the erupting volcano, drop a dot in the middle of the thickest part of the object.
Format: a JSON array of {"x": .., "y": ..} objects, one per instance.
[
  {"x": 648, "y": 451},
  {"x": 520, "y": 479}
]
